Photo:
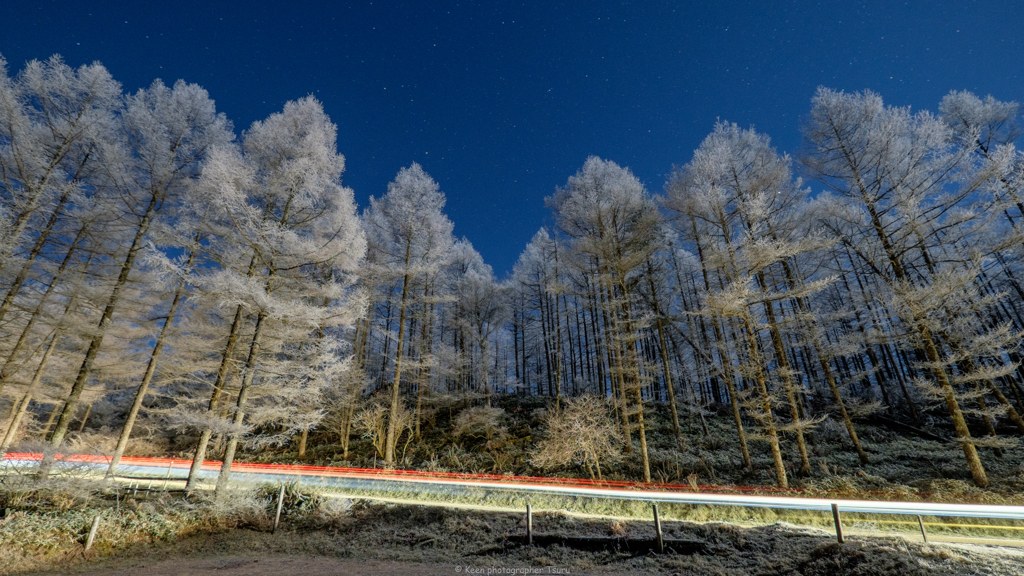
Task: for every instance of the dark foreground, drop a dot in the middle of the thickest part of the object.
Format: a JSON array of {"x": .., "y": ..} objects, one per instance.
[{"x": 378, "y": 539}]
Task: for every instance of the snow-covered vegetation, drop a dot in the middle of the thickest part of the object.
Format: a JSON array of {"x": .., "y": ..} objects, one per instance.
[{"x": 167, "y": 279}]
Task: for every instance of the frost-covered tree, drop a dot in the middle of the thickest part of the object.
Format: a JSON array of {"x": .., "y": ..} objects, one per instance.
[
  {"x": 409, "y": 237},
  {"x": 654, "y": 293},
  {"x": 533, "y": 278},
  {"x": 164, "y": 134},
  {"x": 740, "y": 195},
  {"x": 482, "y": 310},
  {"x": 281, "y": 219},
  {"x": 903, "y": 189},
  {"x": 52, "y": 119},
  {"x": 56, "y": 311},
  {"x": 989, "y": 127},
  {"x": 177, "y": 272},
  {"x": 580, "y": 433},
  {"x": 614, "y": 223}
]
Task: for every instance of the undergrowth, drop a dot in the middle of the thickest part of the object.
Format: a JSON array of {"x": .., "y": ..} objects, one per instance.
[{"x": 902, "y": 467}]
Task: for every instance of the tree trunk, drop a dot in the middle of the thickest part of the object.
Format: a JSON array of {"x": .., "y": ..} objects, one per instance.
[
  {"x": 426, "y": 339},
  {"x": 302, "y": 442},
  {"x": 85, "y": 418},
  {"x": 347, "y": 428},
  {"x": 243, "y": 395},
  {"x": 726, "y": 361},
  {"x": 542, "y": 306},
  {"x": 32, "y": 193},
  {"x": 787, "y": 380},
  {"x": 847, "y": 421},
  {"x": 558, "y": 336},
  {"x": 664, "y": 357},
  {"x": 626, "y": 332},
  {"x": 393, "y": 433},
  {"x": 932, "y": 353},
  {"x": 50, "y": 420},
  {"x": 19, "y": 414},
  {"x": 990, "y": 428},
  {"x": 44, "y": 234},
  {"x": 767, "y": 419},
  {"x": 483, "y": 371},
  {"x": 57, "y": 436},
  {"x": 615, "y": 368},
  {"x": 8, "y": 368},
  {"x": 1010, "y": 412},
  {"x": 218, "y": 389},
  {"x": 948, "y": 394},
  {"x": 147, "y": 377}
]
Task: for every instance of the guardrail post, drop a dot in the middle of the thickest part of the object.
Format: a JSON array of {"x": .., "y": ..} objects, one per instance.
[
  {"x": 657, "y": 528},
  {"x": 280, "y": 503},
  {"x": 839, "y": 523},
  {"x": 924, "y": 535},
  {"x": 92, "y": 532},
  {"x": 529, "y": 525}
]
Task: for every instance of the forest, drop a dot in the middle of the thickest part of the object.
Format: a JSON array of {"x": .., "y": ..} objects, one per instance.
[{"x": 180, "y": 287}]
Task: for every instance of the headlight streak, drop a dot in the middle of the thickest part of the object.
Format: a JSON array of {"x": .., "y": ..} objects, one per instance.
[{"x": 449, "y": 482}]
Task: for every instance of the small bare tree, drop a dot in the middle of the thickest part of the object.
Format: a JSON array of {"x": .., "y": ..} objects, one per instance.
[
  {"x": 481, "y": 421},
  {"x": 582, "y": 433},
  {"x": 376, "y": 419}
]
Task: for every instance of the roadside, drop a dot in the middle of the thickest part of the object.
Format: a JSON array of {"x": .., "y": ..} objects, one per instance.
[{"x": 329, "y": 536}]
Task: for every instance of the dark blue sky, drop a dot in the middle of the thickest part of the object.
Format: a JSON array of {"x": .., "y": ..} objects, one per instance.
[{"x": 502, "y": 102}]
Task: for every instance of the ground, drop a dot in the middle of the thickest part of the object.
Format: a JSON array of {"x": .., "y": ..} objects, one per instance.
[
  {"x": 248, "y": 566},
  {"x": 400, "y": 539}
]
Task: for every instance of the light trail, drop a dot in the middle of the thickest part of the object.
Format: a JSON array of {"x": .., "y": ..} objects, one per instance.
[{"x": 445, "y": 482}]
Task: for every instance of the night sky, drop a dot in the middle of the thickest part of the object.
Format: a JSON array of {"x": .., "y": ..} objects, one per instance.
[{"x": 502, "y": 102}]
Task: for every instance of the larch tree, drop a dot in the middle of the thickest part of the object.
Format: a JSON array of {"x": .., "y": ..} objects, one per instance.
[
  {"x": 409, "y": 236},
  {"x": 612, "y": 220},
  {"x": 290, "y": 219},
  {"x": 483, "y": 311},
  {"x": 55, "y": 313},
  {"x": 184, "y": 234},
  {"x": 164, "y": 134},
  {"x": 989, "y": 127},
  {"x": 654, "y": 292},
  {"x": 52, "y": 121},
  {"x": 535, "y": 278},
  {"x": 741, "y": 192},
  {"x": 698, "y": 232},
  {"x": 52, "y": 118},
  {"x": 826, "y": 352},
  {"x": 901, "y": 181}
]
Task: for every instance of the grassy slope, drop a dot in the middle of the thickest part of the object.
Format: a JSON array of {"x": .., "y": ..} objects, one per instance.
[{"x": 902, "y": 466}]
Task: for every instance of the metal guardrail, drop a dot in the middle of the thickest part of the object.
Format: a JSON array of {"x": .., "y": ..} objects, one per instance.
[{"x": 633, "y": 491}]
